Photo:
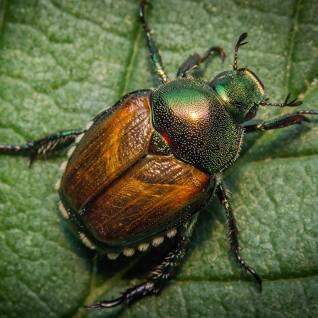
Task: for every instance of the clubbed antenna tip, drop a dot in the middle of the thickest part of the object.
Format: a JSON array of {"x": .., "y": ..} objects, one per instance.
[{"x": 240, "y": 42}]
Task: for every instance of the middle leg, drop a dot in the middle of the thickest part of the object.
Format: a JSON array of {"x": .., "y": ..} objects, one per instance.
[
  {"x": 43, "y": 146},
  {"x": 154, "y": 52}
]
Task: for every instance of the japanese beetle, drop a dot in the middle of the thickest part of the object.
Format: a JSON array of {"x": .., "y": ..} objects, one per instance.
[{"x": 141, "y": 170}]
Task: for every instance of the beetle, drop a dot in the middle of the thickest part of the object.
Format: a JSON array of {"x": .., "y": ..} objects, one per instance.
[{"x": 142, "y": 170}]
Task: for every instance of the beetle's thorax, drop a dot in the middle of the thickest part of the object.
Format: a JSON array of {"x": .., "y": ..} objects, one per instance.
[{"x": 199, "y": 130}]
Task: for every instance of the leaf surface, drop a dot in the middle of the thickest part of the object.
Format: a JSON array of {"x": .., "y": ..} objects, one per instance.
[{"x": 62, "y": 62}]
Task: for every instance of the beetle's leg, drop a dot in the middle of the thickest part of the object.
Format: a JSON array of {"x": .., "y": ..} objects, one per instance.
[
  {"x": 43, "y": 146},
  {"x": 280, "y": 122},
  {"x": 233, "y": 232},
  {"x": 159, "y": 276},
  {"x": 194, "y": 60},
  {"x": 155, "y": 57},
  {"x": 161, "y": 273},
  {"x": 287, "y": 102}
]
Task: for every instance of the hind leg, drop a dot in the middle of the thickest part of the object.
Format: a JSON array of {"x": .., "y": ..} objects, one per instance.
[{"x": 160, "y": 274}]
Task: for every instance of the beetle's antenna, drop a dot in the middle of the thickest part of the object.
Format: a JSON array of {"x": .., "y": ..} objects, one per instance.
[
  {"x": 289, "y": 103},
  {"x": 239, "y": 43}
]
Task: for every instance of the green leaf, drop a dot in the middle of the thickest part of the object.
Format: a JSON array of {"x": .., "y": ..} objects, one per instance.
[{"x": 62, "y": 62}]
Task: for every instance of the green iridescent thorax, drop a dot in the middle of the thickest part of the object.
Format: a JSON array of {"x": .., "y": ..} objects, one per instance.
[
  {"x": 240, "y": 91},
  {"x": 199, "y": 130}
]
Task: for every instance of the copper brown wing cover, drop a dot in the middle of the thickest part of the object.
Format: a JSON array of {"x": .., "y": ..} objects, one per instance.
[{"x": 127, "y": 193}]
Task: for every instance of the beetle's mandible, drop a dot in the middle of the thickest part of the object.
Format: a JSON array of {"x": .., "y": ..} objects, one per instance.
[{"x": 141, "y": 171}]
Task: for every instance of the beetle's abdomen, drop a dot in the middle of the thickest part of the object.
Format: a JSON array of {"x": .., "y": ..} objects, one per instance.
[{"x": 118, "y": 192}]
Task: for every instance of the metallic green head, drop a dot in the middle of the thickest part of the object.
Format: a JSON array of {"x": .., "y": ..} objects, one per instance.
[{"x": 241, "y": 92}]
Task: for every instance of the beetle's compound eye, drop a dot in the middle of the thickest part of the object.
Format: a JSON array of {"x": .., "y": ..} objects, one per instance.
[
  {"x": 238, "y": 105},
  {"x": 252, "y": 112}
]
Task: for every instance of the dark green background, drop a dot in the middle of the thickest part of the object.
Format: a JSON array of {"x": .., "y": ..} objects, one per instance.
[{"x": 61, "y": 62}]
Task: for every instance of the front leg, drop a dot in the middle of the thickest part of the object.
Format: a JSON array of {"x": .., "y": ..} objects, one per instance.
[
  {"x": 43, "y": 146},
  {"x": 194, "y": 60},
  {"x": 280, "y": 122},
  {"x": 160, "y": 274},
  {"x": 233, "y": 233}
]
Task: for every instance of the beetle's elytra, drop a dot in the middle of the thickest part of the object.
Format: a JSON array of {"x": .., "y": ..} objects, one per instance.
[
  {"x": 117, "y": 168},
  {"x": 141, "y": 171}
]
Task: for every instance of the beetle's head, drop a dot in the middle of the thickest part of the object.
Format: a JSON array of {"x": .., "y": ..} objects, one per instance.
[{"x": 240, "y": 90}]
